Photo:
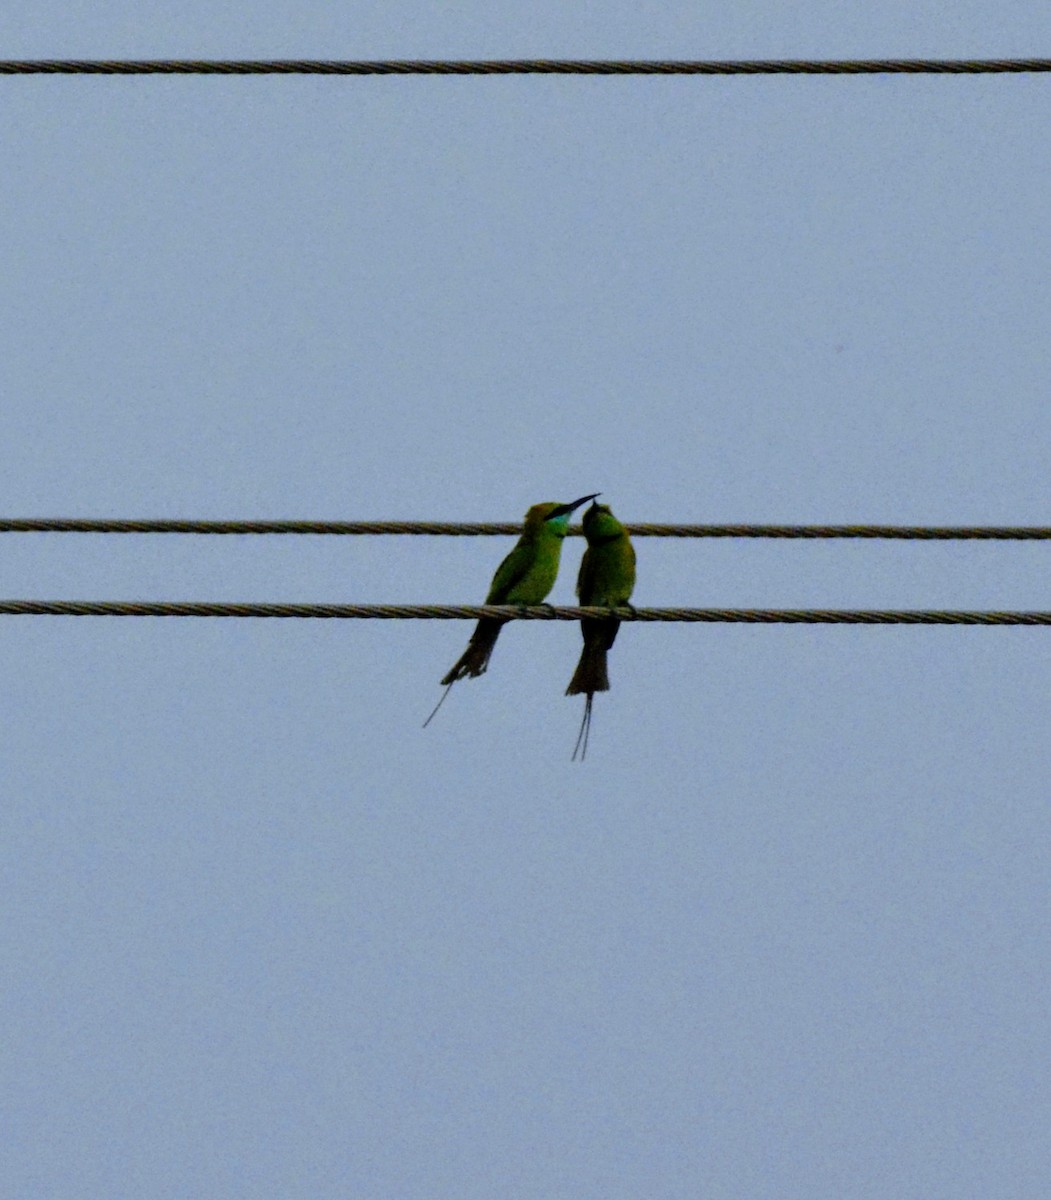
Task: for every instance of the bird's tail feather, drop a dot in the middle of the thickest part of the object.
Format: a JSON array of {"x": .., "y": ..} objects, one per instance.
[
  {"x": 581, "y": 747},
  {"x": 475, "y": 658},
  {"x": 591, "y": 674}
]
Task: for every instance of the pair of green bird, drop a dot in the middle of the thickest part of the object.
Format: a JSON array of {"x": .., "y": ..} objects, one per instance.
[{"x": 527, "y": 575}]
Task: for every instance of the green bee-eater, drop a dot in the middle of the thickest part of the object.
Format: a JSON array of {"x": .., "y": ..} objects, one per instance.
[
  {"x": 525, "y": 577},
  {"x": 606, "y": 579}
]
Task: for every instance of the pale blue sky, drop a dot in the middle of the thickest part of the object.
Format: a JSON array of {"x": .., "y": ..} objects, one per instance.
[{"x": 785, "y": 934}]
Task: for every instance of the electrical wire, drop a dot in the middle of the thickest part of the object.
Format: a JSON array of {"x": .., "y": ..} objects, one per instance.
[
  {"x": 889, "y": 66},
  {"x": 464, "y": 612},
  {"x": 486, "y": 528}
]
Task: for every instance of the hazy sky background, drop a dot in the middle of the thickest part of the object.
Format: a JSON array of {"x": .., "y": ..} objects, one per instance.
[{"x": 786, "y": 933}]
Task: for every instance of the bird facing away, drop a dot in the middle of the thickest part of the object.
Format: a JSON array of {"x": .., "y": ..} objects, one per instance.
[
  {"x": 606, "y": 579},
  {"x": 525, "y": 577}
]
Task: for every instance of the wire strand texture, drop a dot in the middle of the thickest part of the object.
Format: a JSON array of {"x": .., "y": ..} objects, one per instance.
[
  {"x": 508, "y": 528},
  {"x": 888, "y": 66},
  {"x": 470, "y": 612}
]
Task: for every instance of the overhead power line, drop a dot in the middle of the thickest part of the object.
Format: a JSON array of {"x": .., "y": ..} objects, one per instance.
[
  {"x": 475, "y": 529},
  {"x": 885, "y": 66},
  {"x": 466, "y": 612},
  {"x": 509, "y": 528}
]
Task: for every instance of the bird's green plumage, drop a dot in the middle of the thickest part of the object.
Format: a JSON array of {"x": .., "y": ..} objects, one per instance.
[
  {"x": 607, "y": 570},
  {"x": 606, "y": 579},
  {"x": 525, "y": 576},
  {"x": 529, "y": 572}
]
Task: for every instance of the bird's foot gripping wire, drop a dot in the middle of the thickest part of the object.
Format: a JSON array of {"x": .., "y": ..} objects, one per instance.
[{"x": 524, "y": 608}]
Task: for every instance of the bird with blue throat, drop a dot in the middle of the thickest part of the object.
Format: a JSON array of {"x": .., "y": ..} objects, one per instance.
[
  {"x": 606, "y": 580},
  {"x": 525, "y": 577}
]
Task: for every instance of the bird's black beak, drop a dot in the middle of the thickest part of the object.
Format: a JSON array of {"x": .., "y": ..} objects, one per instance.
[{"x": 565, "y": 509}]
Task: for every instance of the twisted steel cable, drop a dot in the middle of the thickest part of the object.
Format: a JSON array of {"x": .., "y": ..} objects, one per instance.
[
  {"x": 464, "y": 612},
  {"x": 890, "y": 66},
  {"x": 486, "y": 528}
]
